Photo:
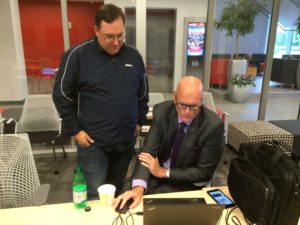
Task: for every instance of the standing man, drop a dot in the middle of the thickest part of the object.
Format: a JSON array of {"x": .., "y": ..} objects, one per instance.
[
  {"x": 101, "y": 93},
  {"x": 184, "y": 145}
]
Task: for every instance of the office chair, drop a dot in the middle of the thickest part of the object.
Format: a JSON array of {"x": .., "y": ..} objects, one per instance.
[
  {"x": 1, "y": 124},
  {"x": 208, "y": 101},
  {"x": 47, "y": 70},
  {"x": 19, "y": 181},
  {"x": 155, "y": 98},
  {"x": 41, "y": 121}
]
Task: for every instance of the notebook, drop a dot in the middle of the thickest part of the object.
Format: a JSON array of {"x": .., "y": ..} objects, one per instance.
[{"x": 180, "y": 211}]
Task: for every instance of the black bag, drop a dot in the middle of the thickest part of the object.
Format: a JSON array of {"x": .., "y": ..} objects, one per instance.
[{"x": 264, "y": 182}]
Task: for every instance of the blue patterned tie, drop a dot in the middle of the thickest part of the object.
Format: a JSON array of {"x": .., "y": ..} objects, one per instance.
[{"x": 177, "y": 142}]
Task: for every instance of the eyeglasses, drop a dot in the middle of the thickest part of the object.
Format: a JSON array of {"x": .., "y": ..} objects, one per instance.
[
  {"x": 185, "y": 106},
  {"x": 111, "y": 38}
]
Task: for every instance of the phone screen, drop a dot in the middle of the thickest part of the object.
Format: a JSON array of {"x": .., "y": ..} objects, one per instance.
[{"x": 221, "y": 198}]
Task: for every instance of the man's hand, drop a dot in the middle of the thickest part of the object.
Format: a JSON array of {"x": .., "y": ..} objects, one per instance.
[
  {"x": 152, "y": 164},
  {"x": 136, "y": 194},
  {"x": 137, "y": 130},
  {"x": 83, "y": 139}
]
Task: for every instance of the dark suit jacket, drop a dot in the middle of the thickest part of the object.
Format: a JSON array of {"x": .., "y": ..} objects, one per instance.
[{"x": 200, "y": 151}]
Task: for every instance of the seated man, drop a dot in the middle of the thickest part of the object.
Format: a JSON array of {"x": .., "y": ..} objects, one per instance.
[{"x": 184, "y": 146}]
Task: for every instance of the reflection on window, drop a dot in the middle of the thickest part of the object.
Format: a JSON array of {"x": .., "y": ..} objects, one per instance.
[
  {"x": 287, "y": 43},
  {"x": 295, "y": 48},
  {"x": 160, "y": 46},
  {"x": 281, "y": 42}
]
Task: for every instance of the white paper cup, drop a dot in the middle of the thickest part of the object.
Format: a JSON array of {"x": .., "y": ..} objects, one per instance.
[{"x": 106, "y": 194}]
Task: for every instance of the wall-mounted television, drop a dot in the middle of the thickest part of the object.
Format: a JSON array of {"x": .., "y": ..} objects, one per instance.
[{"x": 196, "y": 38}]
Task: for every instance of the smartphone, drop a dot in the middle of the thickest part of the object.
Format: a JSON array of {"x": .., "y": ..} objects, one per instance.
[{"x": 220, "y": 198}]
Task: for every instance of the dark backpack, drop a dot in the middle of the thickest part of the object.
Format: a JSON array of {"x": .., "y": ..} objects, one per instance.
[{"x": 264, "y": 182}]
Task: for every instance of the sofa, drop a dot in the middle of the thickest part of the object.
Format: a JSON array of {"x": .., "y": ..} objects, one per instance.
[
  {"x": 286, "y": 71},
  {"x": 291, "y": 56}
]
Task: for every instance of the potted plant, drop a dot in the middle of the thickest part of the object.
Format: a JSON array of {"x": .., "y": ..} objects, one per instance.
[
  {"x": 237, "y": 19},
  {"x": 240, "y": 88}
]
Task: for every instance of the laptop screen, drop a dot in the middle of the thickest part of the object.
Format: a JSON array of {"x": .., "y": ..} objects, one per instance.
[{"x": 180, "y": 211}]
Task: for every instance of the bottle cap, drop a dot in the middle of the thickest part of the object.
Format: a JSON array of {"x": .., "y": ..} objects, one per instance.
[{"x": 87, "y": 208}]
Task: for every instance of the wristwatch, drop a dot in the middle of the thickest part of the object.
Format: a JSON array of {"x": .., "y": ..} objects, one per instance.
[{"x": 168, "y": 173}]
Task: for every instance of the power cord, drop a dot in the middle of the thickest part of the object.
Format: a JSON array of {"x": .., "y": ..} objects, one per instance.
[
  {"x": 118, "y": 218},
  {"x": 120, "y": 221},
  {"x": 234, "y": 219},
  {"x": 129, "y": 216}
]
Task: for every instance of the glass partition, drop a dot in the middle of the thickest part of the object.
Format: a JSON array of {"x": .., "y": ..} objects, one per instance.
[
  {"x": 284, "y": 86},
  {"x": 160, "y": 46},
  {"x": 239, "y": 56},
  {"x": 41, "y": 27}
]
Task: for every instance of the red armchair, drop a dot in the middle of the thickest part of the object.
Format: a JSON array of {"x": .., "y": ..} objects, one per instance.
[{"x": 219, "y": 72}]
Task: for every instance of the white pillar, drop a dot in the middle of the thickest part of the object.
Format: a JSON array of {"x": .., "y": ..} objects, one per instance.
[
  {"x": 13, "y": 81},
  {"x": 141, "y": 27},
  {"x": 65, "y": 24}
]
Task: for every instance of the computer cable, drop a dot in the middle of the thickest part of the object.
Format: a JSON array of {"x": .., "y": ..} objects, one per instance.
[
  {"x": 117, "y": 219},
  {"x": 234, "y": 219},
  {"x": 120, "y": 221},
  {"x": 129, "y": 216}
]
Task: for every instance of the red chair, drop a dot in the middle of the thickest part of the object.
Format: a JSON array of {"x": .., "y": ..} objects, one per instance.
[
  {"x": 219, "y": 72},
  {"x": 261, "y": 68},
  {"x": 47, "y": 71},
  {"x": 33, "y": 68}
]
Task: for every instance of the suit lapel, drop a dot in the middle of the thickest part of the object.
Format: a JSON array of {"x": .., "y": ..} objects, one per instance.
[{"x": 171, "y": 131}]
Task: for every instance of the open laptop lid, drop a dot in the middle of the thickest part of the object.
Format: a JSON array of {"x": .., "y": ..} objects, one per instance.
[{"x": 174, "y": 211}]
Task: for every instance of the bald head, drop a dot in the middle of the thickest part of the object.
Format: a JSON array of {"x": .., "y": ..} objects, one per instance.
[
  {"x": 188, "y": 95},
  {"x": 190, "y": 86}
]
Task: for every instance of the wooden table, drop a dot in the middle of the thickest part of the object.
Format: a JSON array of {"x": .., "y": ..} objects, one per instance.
[{"x": 63, "y": 214}]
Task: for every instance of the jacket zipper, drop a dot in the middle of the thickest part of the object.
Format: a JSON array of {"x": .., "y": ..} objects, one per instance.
[{"x": 266, "y": 205}]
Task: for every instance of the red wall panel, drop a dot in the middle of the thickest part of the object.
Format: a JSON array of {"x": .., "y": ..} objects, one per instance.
[
  {"x": 82, "y": 18},
  {"x": 41, "y": 25}
]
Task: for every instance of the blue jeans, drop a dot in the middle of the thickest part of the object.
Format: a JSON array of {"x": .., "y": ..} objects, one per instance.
[{"x": 102, "y": 165}]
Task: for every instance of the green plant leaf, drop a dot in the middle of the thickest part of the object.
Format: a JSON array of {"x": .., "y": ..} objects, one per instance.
[
  {"x": 238, "y": 18},
  {"x": 242, "y": 80}
]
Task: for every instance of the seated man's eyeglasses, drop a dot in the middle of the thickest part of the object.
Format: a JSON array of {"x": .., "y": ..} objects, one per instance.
[
  {"x": 185, "y": 106},
  {"x": 111, "y": 38}
]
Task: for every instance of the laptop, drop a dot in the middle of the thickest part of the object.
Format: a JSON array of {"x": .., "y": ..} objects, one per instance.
[{"x": 180, "y": 211}]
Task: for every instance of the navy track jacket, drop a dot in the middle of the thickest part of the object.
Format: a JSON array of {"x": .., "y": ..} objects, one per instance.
[{"x": 104, "y": 95}]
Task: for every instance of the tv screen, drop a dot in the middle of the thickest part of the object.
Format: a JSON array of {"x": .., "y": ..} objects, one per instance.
[{"x": 196, "y": 35}]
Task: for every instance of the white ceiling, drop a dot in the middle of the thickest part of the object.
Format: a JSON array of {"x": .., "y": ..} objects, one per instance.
[{"x": 289, "y": 12}]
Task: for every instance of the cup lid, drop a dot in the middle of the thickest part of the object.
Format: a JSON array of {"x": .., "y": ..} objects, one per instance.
[{"x": 107, "y": 188}]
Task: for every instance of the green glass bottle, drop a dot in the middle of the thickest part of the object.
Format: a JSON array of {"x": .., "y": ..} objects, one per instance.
[{"x": 79, "y": 189}]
